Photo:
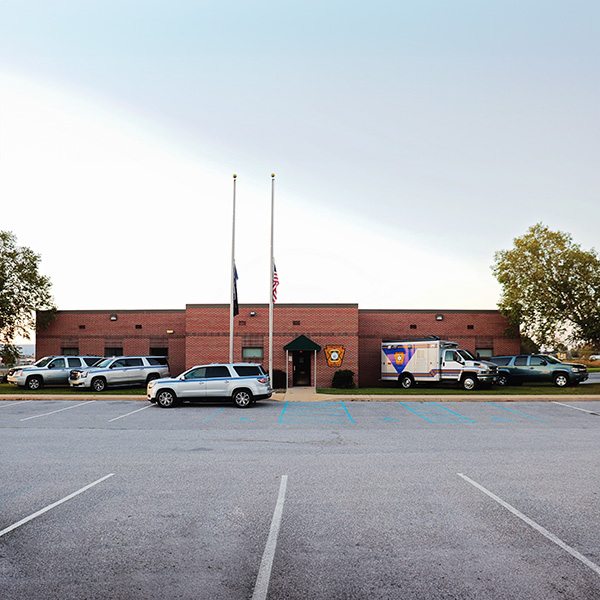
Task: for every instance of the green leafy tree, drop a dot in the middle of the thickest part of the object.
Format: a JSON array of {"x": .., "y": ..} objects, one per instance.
[
  {"x": 550, "y": 288},
  {"x": 23, "y": 291}
]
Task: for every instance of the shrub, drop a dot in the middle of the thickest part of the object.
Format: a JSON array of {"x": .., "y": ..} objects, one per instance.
[{"x": 343, "y": 379}]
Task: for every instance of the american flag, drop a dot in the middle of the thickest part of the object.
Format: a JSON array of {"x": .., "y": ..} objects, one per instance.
[{"x": 275, "y": 283}]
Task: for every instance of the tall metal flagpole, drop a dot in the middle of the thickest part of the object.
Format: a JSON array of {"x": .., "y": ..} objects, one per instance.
[
  {"x": 233, "y": 284},
  {"x": 272, "y": 266}
]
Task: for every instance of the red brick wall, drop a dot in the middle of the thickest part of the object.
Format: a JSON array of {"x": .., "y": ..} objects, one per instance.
[
  {"x": 207, "y": 329},
  {"x": 99, "y": 332},
  {"x": 488, "y": 327},
  {"x": 201, "y": 333}
]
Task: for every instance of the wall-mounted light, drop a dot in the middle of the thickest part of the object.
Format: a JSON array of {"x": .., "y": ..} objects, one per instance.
[
  {"x": 169, "y": 331},
  {"x": 439, "y": 317},
  {"x": 113, "y": 317},
  {"x": 252, "y": 313}
]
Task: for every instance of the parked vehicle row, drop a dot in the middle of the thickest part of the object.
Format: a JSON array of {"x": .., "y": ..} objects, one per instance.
[{"x": 89, "y": 372}]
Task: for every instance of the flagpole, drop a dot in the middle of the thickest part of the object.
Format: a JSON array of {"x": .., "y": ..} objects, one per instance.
[
  {"x": 271, "y": 281},
  {"x": 231, "y": 303}
]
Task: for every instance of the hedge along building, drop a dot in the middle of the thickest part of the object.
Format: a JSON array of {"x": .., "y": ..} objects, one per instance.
[{"x": 310, "y": 341}]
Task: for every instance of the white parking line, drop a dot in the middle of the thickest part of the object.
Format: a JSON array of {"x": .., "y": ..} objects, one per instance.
[
  {"x": 59, "y": 410},
  {"x": 51, "y": 506},
  {"x": 266, "y": 564},
  {"x": 576, "y": 408},
  {"x": 586, "y": 561},
  {"x": 11, "y": 402},
  {"x": 131, "y": 413}
]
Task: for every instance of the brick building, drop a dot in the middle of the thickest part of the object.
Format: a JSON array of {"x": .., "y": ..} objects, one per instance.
[{"x": 310, "y": 341}]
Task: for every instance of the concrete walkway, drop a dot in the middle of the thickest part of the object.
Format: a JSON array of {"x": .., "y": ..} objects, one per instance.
[{"x": 308, "y": 394}]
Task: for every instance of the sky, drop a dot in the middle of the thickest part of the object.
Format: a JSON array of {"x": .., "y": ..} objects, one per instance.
[{"x": 410, "y": 141}]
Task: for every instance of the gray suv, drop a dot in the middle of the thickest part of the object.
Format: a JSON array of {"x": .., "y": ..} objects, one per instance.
[
  {"x": 120, "y": 370},
  {"x": 50, "y": 370},
  {"x": 538, "y": 368},
  {"x": 242, "y": 383}
]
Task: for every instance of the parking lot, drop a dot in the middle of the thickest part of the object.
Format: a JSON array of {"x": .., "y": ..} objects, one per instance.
[{"x": 343, "y": 500}]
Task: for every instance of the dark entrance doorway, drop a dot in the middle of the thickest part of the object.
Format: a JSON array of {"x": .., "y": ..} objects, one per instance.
[{"x": 301, "y": 364}]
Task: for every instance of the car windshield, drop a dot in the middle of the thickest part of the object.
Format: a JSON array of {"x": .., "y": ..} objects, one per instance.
[
  {"x": 43, "y": 361},
  {"x": 104, "y": 363},
  {"x": 552, "y": 359},
  {"x": 466, "y": 355}
]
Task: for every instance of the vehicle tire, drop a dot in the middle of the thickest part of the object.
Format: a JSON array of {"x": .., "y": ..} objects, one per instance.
[
  {"x": 166, "y": 399},
  {"x": 406, "y": 382},
  {"x": 469, "y": 382},
  {"x": 34, "y": 382},
  {"x": 503, "y": 380},
  {"x": 152, "y": 377},
  {"x": 98, "y": 384},
  {"x": 561, "y": 380},
  {"x": 242, "y": 398}
]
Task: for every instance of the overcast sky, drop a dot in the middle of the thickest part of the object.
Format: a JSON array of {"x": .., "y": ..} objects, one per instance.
[{"x": 410, "y": 141}]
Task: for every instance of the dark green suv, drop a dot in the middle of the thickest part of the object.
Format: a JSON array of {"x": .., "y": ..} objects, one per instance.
[{"x": 538, "y": 368}]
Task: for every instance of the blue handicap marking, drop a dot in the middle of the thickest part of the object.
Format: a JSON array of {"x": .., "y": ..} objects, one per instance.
[
  {"x": 315, "y": 412},
  {"x": 432, "y": 412}
]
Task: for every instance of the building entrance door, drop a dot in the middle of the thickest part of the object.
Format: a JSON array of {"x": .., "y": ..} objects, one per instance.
[{"x": 302, "y": 368}]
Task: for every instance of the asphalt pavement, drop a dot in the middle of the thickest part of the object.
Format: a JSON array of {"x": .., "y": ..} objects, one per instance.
[{"x": 300, "y": 500}]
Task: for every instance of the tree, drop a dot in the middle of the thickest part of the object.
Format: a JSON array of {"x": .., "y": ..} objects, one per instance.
[
  {"x": 22, "y": 292},
  {"x": 550, "y": 288}
]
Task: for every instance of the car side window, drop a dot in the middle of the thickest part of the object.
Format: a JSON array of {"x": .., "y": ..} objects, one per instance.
[
  {"x": 133, "y": 362},
  {"x": 118, "y": 364},
  {"x": 91, "y": 360},
  {"x": 537, "y": 361},
  {"x": 57, "y": 363},
  {"x": 450, "y": 355},
  {"x": 199, "y": 373},
  {"x": 220, "y": 371},
  {"x": 520, "y": 361},
  {"x": 74, "y": 362},
  {"x": 501, "y": 361}
]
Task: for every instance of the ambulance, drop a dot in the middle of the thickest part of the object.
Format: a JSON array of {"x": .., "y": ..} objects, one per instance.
[{"x": 428, "y": 360}]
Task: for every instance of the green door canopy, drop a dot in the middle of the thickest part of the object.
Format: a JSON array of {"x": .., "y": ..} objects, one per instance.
[{"x": 302, "y": 343}]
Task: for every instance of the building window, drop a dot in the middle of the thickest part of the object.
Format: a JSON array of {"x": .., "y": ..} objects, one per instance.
[
  {"x": 82, "y": 327},
  {"x": 484, "y": 353},
  {"x": 413, "y": 326},
  {"x": 159, "y": 351},
  {"x": 295, "y": 322},
  {"x": 242, "y": 322},
  {"x": 252, "y": 354},
  {"x": 113, "y": 351},
  {"x": 470, "y": 326},
  {"x": 70, "y": 351},
  {"x": 138, "y": 326}
]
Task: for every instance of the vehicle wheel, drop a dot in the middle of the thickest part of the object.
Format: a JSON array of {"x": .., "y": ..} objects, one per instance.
[
  {"x": 152, "y": 377},
  {"x": 34, "y": 383},
  {"x": 503, "y": 380},
  {"x": 406, "y": 381},
  {"x": 98, "y": 384},
  {"x": 242, "y": 398},
  {"x": 166, "y": 399},
  {"x": 561, "y": 380},
  {"x": 469, "y": 382}
]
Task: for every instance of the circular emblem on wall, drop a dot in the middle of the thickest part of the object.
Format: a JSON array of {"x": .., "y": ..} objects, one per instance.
[{"x": 335, "y": 355}]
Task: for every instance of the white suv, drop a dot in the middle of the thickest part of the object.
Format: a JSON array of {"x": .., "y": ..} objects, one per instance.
[
  {"x": 120, "y": 370},
  {"x": 243, "y": 383},
  {"x": 50, "y": 370}
]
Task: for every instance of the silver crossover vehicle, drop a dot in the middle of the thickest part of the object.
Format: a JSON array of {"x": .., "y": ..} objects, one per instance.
[{"x": 241, "y": 383}]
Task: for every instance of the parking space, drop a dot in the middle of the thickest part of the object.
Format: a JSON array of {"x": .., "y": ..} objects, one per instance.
[{"x": 306, "y": 500}]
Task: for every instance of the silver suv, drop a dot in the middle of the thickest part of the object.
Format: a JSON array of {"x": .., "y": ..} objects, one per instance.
[
  {"x": 50, "y": 370},
  {"x": 120, "y": 370},
  {"x": 243, "y": 383}
]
